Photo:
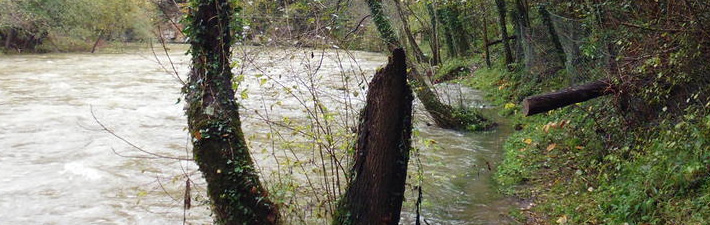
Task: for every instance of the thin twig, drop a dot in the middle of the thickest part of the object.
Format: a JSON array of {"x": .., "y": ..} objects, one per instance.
[
  {"x": 359, "y": 24},
  {"x": 130, "y": 143}
]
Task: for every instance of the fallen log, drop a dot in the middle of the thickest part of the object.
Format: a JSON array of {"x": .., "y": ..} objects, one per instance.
[{"x": 545, "y": 102}]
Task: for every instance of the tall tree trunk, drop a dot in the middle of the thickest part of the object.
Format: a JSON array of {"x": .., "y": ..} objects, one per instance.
[
  {"x": 434, "y": 38},
  {"x": 376, "y": 191},
  {"x": 219, "y": 148},
  {"x": 504, "y": 32},
  {"x": 486, "y": 48}
]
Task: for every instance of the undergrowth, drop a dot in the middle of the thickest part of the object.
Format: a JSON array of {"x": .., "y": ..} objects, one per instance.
[{"x": 582, "y": 164}]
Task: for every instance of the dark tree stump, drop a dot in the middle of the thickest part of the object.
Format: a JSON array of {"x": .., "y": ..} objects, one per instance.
[{"x": 376, "y": 189}]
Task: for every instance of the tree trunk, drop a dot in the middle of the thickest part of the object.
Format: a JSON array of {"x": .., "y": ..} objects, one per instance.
[
  {"x": 504, "y": 32},
  {"x": 8, "y": 38},
  {"x": 219, "y": 149},
  {"x": 522, "y": 11},
  {"x": 545, "y": 16},
  {"x": 546, "y": 102},
  {"x": 376, "y": 191},
  {"x": 434, "y": 38},
  {"x": 486, "y": 48},
  {"x": 383, "y": 24},
  {"x": 96, "y": 43}
]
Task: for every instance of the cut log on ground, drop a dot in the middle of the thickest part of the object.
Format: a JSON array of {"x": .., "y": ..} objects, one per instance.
[{"x": 542, "y": 103}]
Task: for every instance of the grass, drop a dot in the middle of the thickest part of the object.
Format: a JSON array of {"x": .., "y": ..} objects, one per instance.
[{"x": 583, "y": 165}]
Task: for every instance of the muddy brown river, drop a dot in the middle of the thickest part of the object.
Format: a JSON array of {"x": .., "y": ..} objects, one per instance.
[{"x": 58, "y": 166}]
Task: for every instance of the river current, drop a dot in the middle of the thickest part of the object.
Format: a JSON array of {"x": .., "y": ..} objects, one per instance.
[{"x": 58, "y": 166}]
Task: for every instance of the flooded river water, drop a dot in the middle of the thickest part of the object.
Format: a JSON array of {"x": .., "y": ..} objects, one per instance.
[{"x": 58, "y": 166}]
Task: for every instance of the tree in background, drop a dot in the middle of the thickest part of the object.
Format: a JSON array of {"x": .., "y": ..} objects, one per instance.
[{"x": 502, "y": 11}]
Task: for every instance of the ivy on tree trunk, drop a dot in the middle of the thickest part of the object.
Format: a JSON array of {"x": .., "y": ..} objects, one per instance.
[{"x": 219, "y": 147}]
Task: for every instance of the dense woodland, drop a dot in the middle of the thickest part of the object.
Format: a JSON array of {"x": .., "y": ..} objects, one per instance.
[{"x": 638, "y": 152}]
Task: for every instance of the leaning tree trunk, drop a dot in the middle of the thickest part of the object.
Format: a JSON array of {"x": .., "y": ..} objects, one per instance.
[
  {"x": 504, "y": 32},
  {"x": 376, "y": 191},
  {"x": 219, "y": 149},
  {"x": 441, "y": 113}
]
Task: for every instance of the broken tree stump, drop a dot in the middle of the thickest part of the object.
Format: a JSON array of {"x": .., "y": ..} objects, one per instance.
[
  {"x": 545, "y": 102},
  {"x": 377, "y": 178}
]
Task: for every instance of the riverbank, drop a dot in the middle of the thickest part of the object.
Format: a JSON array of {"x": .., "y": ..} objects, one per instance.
[{"x": 585, "y": 164}]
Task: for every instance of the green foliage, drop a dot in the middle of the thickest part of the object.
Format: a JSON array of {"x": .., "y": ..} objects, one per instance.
[
  {"x": 472, "y": 119},
  {"x": 67, "y": 25},
  {"x": 584, "y": 164}
]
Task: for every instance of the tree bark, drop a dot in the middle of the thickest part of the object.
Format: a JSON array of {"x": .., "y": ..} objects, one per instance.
[
  {"x": 486, "y": 48},
  {"x": 219, "y": 148},
  {"x": 504, "y": 32},
  {"x": 546, "y": 102},
  {"x": 434, "y": 38},
  {"x": 376, "y": 191}
]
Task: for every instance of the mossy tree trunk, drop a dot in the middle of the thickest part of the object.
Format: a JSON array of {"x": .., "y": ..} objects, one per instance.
[
  {"x": 376, "y": 191},
  {"x": 219, "y": 148}
]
